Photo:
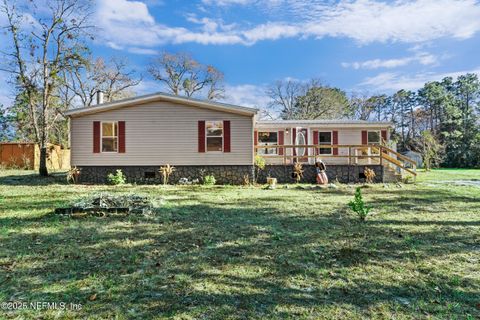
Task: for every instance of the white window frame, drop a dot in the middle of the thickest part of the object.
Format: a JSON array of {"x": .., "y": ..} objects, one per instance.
[
  {"x": 331, "y": 142},
  {"x": 379, "y": 137},
  {"x": 101, "y": 136},
  {"x": 207, "y": 136},
  {"x": 276, "y": 149}
]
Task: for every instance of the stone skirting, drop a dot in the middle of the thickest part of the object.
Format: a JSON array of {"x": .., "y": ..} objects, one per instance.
[
  {"x": 342, "y": 173},
  {"x": 150, "y": 175},
  {"x": 228, "y": 174}
]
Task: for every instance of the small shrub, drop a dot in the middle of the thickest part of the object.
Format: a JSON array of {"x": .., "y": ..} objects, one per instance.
[
  {"x": 209, "y": 180},
  {"x": 408, "y": 180},
  {"x": 298, "y": 171},
  {"x": 358, "y": 205},
  {"x": 166, "y": 171},
  {"x": 369, "y": 175},
  {"x": 259, "y": 166},
  {"x": 260, "y": 162},
  {"x": 246, "y": 180},
  {"x": 117, "y": 179},
  {"x": 72, "y": 175}
]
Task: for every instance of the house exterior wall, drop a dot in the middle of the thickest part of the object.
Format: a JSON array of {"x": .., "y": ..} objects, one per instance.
[
  {"x": 161, "y": 133},
  {"x": 346, "y": 136}
]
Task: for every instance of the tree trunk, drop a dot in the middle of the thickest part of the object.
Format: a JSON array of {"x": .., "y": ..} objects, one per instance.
[{"x": 42, "y": 170}]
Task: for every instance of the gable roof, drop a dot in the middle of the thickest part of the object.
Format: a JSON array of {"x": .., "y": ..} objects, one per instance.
[
  {"x": 324, "y": 123},
  {"x": 160, "y": 96}
]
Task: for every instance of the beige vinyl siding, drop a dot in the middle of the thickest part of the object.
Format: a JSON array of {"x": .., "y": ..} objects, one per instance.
[
  {"x": 160, "y": 133},
  {"x": 345, "y": 136}
]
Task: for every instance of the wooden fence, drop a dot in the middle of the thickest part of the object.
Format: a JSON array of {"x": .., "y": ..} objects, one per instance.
[{"x": 26, "y": 155}]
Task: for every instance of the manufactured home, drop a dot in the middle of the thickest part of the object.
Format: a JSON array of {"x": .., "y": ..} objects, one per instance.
[{"x": 140, "y": 134}]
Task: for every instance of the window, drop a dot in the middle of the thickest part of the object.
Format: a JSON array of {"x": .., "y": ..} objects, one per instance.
[
  {"x": 325, "y": 137},
  {"x": 267, "y": 139},
  {"x": 109, "y": 137},
  {"x": 373, "y": 137},
  {"x": 214, "y": 135}
]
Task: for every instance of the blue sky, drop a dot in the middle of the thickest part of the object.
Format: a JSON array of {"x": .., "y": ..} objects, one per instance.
[{"x": 361, "y": 46}]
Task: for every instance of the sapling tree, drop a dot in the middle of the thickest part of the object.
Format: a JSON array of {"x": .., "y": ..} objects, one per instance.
[{"x": 359, "y": 206}]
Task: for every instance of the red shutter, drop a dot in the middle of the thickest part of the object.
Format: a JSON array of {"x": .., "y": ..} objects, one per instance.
[
  {"x": 335, "y": 141},
  {"x": 294, "y": 138},
  {"x": 96, "y": 136},
  {"x": 281, "y": 141},
  {"x": 384, "y": 136},
  {"x": 255, "y": 137},
  {"x": 201, "y": 136},
  {"x": 226, "y": 136},
  {"x": 121, "y": 136},
  {"x": 315, "y": 141},
  {"x": 364, "y": 137}
]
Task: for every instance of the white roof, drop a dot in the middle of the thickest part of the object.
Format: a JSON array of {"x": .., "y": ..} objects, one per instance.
[{"x": 160, "y": 96}]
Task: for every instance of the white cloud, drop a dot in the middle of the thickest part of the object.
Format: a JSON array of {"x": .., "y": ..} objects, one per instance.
[
  {"x": 393, "y": 81},
  {"x": 226, "y": 2},
  {"x": 365, "y": 21},
  {"x": 423, "y": 58},
  {"x": 143, "y": 51},
  {"x": 126, "y": 23},
  {"x": 148, "y": 87},
  {"x": 247, "y": 95},
  {"x": 406, "y": 21}
]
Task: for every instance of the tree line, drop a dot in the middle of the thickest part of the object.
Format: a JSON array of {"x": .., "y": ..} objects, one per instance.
[{"x": 441, "y": 120}]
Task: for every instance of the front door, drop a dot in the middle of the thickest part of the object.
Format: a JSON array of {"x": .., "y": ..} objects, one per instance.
[{"x": 301, "y": 139}]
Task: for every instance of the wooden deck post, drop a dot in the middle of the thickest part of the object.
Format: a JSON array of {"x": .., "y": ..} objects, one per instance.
[{"x": 381, "y": 155}]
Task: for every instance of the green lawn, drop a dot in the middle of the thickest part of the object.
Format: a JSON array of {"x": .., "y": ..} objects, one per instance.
[{"x": 232, "y": 252}]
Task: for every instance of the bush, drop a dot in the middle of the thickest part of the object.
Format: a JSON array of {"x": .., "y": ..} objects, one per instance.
[
  {"x": 358, "y": 205},
  {"x": 117, "y": 178},
  {"x": 73, "y": 174},
  {"x": 259, "y": 166},
  {"x": 209, "y": 180}
]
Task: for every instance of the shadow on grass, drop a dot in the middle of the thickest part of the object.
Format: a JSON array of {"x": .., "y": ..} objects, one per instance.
[
  {"x": 210, "y": 261},
  {"x": 32, "y": 179}
]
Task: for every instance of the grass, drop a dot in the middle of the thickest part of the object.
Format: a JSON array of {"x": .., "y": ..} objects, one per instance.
[{"x": 225, "y": 252}]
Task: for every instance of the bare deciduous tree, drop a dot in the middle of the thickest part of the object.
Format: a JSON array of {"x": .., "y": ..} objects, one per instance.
[
  {"x": 185, "y": 76},
  {"x": 114, "y": 79},
  {"x": 40, "y": 54},
  {"x": 283, "y": 95},
  {"x": 307, "y": 100}
]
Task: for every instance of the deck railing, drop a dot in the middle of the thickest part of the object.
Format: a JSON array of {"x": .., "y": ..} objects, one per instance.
[{"x": 357, "y": 154}]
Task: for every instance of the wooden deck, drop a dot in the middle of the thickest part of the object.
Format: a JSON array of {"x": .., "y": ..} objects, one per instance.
[{"x": 364, "y": 154}]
